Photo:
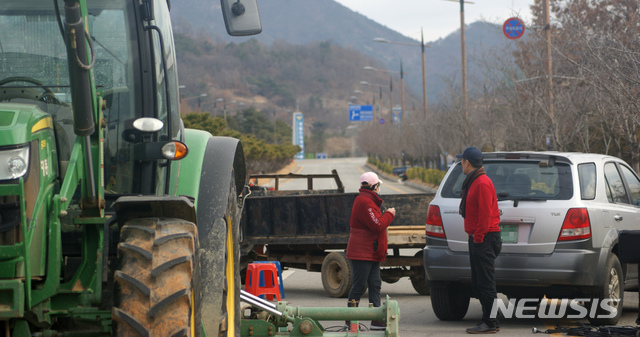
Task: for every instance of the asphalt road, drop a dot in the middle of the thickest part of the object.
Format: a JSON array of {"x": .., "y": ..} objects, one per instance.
[
  {"x": 349, "y": 170},
  {"x": 417, "y": 319},
  {"x": 304, "y": 289}
]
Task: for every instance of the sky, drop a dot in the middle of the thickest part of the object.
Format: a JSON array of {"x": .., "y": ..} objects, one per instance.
[{"x": 438, "y": 18}]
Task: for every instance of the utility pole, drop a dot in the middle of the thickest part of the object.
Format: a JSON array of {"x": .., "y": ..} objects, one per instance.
[
  {"x": 464, "y": 72},
  {"x": 424, "y": 76},
  {"x": 547, "y": 27}
]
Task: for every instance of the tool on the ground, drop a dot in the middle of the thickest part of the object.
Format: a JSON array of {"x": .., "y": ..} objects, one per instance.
[{"x": 297, "y": 321}]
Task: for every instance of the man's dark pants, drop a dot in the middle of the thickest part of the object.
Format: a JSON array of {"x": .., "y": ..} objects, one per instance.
[{"x": 483, "y": 257}]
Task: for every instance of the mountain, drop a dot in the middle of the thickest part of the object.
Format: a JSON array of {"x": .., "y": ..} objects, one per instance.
[{"x": 309, "y": 21}]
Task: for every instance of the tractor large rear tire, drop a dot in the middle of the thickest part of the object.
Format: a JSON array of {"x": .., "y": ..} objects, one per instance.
[
  {"x": 231, "y": 306},
  {"x": 220, "y": 263},
  {"x": 157, "y": 279}
]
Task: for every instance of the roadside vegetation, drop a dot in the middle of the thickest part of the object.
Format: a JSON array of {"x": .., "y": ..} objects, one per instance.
[
  {"x": 250, "y": 126},
  {"x": 426, "y": 175}
]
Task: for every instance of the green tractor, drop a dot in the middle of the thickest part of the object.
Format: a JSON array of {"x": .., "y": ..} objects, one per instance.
[{"x": 107, "y": 226}]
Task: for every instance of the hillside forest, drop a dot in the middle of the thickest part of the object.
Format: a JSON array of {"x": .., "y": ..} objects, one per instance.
[{"x": 274, "y": 81}]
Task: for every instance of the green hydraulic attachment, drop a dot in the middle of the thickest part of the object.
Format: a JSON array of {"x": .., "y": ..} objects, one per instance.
[{"x": 283, "y": 320}]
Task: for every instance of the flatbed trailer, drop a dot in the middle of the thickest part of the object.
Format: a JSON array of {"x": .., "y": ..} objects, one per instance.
[{"x": 309, "y": 229}]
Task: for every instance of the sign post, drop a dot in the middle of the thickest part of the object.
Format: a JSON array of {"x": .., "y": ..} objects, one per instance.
[{"x": 513, "y": 28}]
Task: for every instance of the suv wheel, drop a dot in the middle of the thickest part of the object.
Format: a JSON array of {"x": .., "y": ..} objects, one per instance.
[
  {"x": 449, "y": 302},
  {"x": 613, "y": 289}
]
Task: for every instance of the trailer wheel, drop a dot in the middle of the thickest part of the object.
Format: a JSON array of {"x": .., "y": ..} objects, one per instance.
[
  {"x": 418, "y": 278},
  {"x": 156, "y": 279},
  {"x": 337, "y": 274},
  {"x": 450, "y": 302}
]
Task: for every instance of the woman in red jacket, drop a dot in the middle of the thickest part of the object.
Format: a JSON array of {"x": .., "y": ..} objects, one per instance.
[{"x": 368, "y": 242}]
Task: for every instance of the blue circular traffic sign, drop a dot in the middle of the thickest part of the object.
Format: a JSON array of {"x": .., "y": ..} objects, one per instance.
[
  {"x": 381, "y": 120},
  {"x": 513, "y": 28}
]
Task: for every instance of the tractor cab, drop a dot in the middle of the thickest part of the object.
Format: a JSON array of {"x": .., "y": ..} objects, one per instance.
[{"x": 132, "y": 80}]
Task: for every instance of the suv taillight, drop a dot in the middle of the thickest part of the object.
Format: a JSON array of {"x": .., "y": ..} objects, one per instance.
[
  {"x": 576, "y": 225},
  {"x": 434, "y": 222}
]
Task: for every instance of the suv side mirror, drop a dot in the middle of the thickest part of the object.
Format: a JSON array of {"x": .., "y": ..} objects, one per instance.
[{"x": 241, "y": 17}]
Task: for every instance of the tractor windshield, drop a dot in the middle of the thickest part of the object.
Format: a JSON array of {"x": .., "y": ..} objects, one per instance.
[{"x": 34, "y": 70}]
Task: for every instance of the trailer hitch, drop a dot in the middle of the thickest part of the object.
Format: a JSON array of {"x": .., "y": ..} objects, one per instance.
[{"x": 286, "y": 320}]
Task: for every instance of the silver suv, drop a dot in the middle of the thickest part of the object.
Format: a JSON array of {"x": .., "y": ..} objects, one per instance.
[{"x": 560, "y": 214}]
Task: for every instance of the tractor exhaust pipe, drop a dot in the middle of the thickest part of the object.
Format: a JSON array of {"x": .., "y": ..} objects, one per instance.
[
  {"x": 259, "y": 303},
  {"x": 80, "y": 82}
]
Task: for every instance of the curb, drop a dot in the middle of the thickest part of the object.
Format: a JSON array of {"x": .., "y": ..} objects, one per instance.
[{"x": 420, "y": 187}]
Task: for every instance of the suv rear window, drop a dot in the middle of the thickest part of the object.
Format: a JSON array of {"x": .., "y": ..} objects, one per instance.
[{"x": 519, "y": 179}]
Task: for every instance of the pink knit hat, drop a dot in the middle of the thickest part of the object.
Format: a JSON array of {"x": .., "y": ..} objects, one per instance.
[{"x": 369, "y": 178}]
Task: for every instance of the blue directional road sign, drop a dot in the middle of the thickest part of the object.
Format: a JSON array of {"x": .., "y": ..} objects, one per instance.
[
  {"x": 397, "y": 115},
  {"x": 513, "y": 28},
  {"x": 360, "y": 113},
  {"x": 298, "y": 133}
]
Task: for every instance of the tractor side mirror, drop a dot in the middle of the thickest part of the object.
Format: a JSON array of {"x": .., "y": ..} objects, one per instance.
[{"x": 241, "y": 17}]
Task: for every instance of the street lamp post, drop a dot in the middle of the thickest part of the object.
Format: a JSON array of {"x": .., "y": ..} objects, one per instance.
[
  {"x": 199, "y": 99},
  {"x": 424, "y": 71},
  {"x": 380, "y": 102},
  {"x": 275, "y": 137},
  {"x": 179, "y": 88},
  {"x": 391, "y": 86},
  {"x": 224, "y": 108},
  {"x": 401, "y": 91}
]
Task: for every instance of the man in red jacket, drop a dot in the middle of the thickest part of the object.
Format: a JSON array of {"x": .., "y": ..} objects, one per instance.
[
  {"x": 368, "y": 242},
  {"x": 479, "y": 208}
]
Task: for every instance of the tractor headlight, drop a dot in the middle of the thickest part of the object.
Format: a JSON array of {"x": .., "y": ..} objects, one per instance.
[
  {"x": 17, "y": 167},
  {"x": 17, "y": 163}
]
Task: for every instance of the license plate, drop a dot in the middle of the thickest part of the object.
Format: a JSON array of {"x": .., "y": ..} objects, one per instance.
[{"x": 509, "y": 233}]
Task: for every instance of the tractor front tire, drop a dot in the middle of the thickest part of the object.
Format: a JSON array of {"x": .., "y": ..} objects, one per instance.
[{"x": 157, "y": 276}]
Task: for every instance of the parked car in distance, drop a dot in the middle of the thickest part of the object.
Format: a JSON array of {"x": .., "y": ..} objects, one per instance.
[
  {"x": 401, "y": 171},
  {"x": 560, "y": 214}
]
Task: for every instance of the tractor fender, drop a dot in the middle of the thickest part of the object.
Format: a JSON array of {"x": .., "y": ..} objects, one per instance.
[
  {"x": 206, "y": 174},
  {"x": 224, "y": 157}
]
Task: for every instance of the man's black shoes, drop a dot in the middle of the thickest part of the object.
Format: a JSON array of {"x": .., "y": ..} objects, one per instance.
[{"x": 482, "y": 328}]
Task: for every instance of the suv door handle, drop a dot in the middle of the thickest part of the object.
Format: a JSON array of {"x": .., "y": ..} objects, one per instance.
[{"x": 617, "y": 217}]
